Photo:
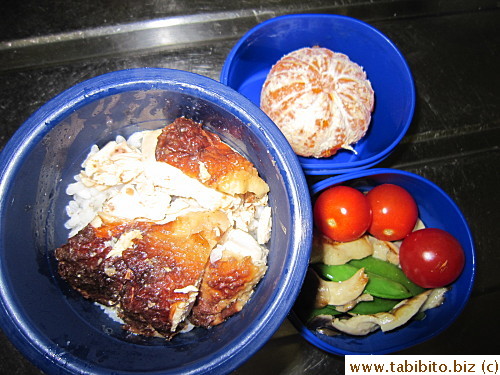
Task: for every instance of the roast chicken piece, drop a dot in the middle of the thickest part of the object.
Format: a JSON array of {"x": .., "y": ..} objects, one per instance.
[
  {"x": 201, "y": 154},
  {"x": 200, "y": 268},
  {"x": 150, "y": 273},
  {"x": 236, "y": 266}
]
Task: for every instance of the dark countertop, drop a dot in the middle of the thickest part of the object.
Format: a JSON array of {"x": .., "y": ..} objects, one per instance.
[{"x": 453, "y": 51}]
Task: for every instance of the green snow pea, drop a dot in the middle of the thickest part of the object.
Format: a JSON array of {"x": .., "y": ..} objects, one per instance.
[
  {"x": 377, "y": 286},
  {"x": 387, "y": 270}
]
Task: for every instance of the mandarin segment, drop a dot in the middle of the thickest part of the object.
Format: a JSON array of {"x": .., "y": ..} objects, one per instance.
[{"x": 320, "y": 99}]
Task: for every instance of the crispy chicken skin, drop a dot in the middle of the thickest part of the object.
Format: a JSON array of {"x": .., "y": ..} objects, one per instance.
[
  {"x": 153, "y": 282},
  {"x": 226, "y": 287},
  {"x": 201, "y": 154}
]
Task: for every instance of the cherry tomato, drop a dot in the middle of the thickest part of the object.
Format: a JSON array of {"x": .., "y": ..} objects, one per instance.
[
  {"x": 342, "y": 213},
  {"x": 394, "y": 212},
  {"x": 431, "y": 257}
]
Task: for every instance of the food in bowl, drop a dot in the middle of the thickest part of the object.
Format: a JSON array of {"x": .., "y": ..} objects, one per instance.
[
  {"x": 364, "y": 294},
  {"x": 437, "y": 210},
  {"x": 52, "y": 324},
  {"x": 320, "y": 99},
  {"x": 250, "y": 60},
  {"x": 168, "y": 229},
  {"x": 369, "y": 283}
]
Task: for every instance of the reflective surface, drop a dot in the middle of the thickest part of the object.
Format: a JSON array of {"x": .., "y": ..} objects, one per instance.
[{"x": 451, "y": 47}]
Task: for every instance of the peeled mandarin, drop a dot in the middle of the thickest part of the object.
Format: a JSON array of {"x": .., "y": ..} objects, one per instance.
[{"x": 320, "y": 100}]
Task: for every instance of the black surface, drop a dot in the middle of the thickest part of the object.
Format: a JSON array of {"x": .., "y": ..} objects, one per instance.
[{"x": 454, "y": 140}]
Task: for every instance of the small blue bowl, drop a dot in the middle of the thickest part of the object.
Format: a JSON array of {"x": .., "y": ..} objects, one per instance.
[
  {"x": 57, "y": 329},
  {"x": 251, "y": 59},
  {"x": 436, "y": 209}
]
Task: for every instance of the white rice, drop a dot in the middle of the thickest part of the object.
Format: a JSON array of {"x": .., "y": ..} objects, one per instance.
[{"x": 88, "y": 201}]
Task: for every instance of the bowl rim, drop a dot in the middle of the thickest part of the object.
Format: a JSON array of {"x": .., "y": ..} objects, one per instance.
[
  {"x": 45, "y": 354},
  {"x": 334, "y": 180},
  {"x": 313, "y": 166}
]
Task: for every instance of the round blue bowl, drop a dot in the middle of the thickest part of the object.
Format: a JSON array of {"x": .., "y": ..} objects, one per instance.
[
  {"x": 57, "y": 329},
  {"x": 436, "y": 209},
  {"x": 251, "y": 59}
]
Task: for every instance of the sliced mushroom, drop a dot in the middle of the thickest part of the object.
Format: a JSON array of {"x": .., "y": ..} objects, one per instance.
[
  {"x": 436, "y": 298},
  {"x": 385, "y": 250},
  {"x": 402, "y": 312},
  {"x": 399, "y": 315},
  {"x": 338, "y": 293},
  {"x": 351, "y": 304},
  {"x": 419, "y": 225},
  {"x": 358, "y": 325},
  {"x": 329, "y": 252}
]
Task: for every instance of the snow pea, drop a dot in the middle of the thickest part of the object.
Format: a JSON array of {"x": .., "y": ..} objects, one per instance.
[
  {"x": 387, "y": 270},
  {"x": 327, "y": 310},
  {"x": 377, "y": 286},
  {"x": 375, "y": 306}
]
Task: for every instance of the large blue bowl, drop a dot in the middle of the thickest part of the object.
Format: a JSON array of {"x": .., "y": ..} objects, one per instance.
[
  {"x": 436, "y": 209},
  {"x": 251, "y": 59},
  {"x": 59, "y": 330}
]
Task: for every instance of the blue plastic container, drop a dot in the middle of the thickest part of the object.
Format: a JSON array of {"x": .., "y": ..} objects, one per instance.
[
  {"x": 54, "y": 326},
  {"x": 251, "y": 59},
  {"x": 437, "y": 210}
]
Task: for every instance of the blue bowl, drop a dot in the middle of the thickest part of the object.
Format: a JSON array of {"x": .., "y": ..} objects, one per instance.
[
  {"x": 54, "y": 326},
  {"x": 251, "y": 59},
  {"x": 436, "y": 209}
]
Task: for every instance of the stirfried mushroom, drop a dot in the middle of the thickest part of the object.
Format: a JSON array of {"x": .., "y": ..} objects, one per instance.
[
  {"x": 358, "y": 325},
  {"x": 399, "y": 315},
  {"x": 336, "y": 293},
  {"x": 385, "y": 250},
  {"x": 365, "y": 297},
  {"x": 327, "y": 251},
  {"x": 436, "y": 298}
]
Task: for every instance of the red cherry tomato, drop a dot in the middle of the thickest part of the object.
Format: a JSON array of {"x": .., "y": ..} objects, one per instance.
[
  {"x": 431, "y": 257},
  {"x": 342, "y": 213},
  {"x": 394, "y": 212}
]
